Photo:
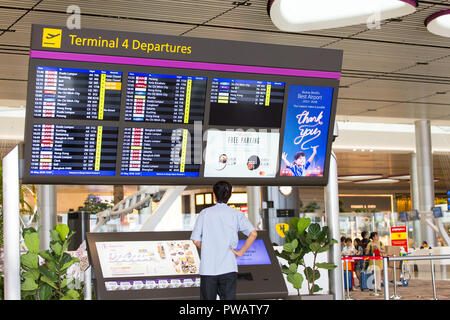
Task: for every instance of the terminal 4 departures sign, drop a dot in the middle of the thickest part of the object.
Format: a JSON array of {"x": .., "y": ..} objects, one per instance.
[{"x": 113, "y": 107}]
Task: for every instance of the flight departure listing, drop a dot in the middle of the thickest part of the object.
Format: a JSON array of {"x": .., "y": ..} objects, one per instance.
[
  {"x": 165, "y": 98},
  {"x": 238, "y": 102},
  {"x": 159, "y": 152},
  {"x": 66, "y": 93},
  {"x": 73, "y": 150}
]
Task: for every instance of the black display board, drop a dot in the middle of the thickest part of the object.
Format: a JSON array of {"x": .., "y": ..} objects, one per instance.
[
  {"x": 112, "y": 107},
  {"x": 164, "y": 265}
]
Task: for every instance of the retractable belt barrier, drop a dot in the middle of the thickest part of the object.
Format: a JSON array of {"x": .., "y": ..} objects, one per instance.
[{"x": 346, "y": 280}]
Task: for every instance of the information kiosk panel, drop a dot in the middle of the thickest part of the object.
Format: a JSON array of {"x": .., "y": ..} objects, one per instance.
[{"x": 165, "y": 265}]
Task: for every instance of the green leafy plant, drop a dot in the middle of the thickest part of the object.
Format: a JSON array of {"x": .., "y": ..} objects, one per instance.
[
  {"x": 303, "y": 238},
  {"x": 310, "y": 207},
  {"x": 94, "y": 205},
  {"x": 47, "y": 280}
]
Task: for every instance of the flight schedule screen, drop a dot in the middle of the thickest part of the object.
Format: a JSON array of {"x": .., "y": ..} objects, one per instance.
[
  {"x": 73, "y": 150},
  {"x": 250, "y": 103},
  {"x": 165, "y": 98},
  {"x": 159, "y": 152},
  {"x": 82, "y": 94}
]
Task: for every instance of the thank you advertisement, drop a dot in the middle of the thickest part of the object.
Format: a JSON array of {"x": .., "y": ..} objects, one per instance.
[{"x": 306, "y": 131}]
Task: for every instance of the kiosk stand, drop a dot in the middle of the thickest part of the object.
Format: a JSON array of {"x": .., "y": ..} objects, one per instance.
[{"x": 165, "y": 265}]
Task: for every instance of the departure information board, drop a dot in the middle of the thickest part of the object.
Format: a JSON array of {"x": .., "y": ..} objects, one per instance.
[
  {"x": 68, "y": 93},
  {"x": 109, "y": 107},
  {"x": 165, "y": 98},
  {"x": 158, "y": 152},
  {"x": 257, "y": 103},
  {"x": 73, "y": 150}
]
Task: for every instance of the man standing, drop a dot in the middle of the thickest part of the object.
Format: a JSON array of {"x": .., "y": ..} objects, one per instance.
[{"x": 216, "y": 234}]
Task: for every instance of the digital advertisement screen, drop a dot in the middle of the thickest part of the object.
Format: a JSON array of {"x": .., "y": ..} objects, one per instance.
[
  {"x": 73, "y": 150},
  {"x": 147, "y": 258},
  {"x": 241, "y": 154},
  {"x": 247, "y": 103},
  {"x": 68, "y": 93},
  {"x": 306, "y": 131},
  {"x": 255, "y": 255},
  {"x": 159, "y": 152},
  {"x": 165, "y": 98}
]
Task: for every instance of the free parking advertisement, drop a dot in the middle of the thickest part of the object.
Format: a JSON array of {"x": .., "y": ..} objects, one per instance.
[
  {"x": 241, "y": 154},
  {"x": 306, "y": 131}
]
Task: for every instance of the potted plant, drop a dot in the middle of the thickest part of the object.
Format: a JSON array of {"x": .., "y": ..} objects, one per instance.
[
  {"x": 44, "y": 273},
  {"x": 304, "y": 237}
]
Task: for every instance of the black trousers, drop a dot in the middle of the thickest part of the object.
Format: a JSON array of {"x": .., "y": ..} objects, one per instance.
[{"x": 223, "y": 285}]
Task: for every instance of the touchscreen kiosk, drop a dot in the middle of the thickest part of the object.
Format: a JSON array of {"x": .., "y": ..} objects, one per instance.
[{"x": 165, "y": 265}]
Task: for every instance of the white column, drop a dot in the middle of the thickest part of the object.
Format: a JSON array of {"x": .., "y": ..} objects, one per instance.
[
  {"x": 332, "y": 216},
  {"x": 254, "y": 205},
  {"x": 414, "y": 191},
  {"x": 11, "y": 225},
  {"x": 46, "y": 206},
  {"x": 425, "y": 173}
]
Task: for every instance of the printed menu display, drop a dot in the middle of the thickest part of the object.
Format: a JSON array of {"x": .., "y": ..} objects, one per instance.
[
  {"x": 306, "y": 131},
  {"x": 148, "y": 258},
  {"x": 241, "y": 154},
  {"x": 67, "y": 93}
]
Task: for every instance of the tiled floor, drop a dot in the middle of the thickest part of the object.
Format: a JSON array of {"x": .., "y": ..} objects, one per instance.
[{"x": 416, "y": 290}]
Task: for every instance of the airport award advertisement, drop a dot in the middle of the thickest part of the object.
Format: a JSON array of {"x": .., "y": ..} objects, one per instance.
[{"x": 306, "y": 131}]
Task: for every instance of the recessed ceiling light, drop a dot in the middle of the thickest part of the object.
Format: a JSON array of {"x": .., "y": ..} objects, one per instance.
[
  {"x": 360, "y": 177},
  {"x": 297, "y": 16},
  {"x": 439, "y": 23},
  {"x": 375, "y": 181},
  {"x": 401, "y": 177}
]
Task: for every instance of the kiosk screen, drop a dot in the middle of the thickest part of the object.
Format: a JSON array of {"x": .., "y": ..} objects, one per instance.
[{"x": 255, "y": 255}]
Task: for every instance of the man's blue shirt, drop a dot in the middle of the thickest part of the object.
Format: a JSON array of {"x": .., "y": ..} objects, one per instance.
[{"x": 217, "y": 228}]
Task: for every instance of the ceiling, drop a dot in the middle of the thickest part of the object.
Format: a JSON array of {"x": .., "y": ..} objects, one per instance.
[{"x": 398, "y": 71}]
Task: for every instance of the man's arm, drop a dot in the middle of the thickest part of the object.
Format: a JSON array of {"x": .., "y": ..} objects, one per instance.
[
  {"x": 251, "y": 238},
  {"x": 285, "y": 160},
  {"x": 198, "y": 244},
  {"x": 313, "y": 154}
]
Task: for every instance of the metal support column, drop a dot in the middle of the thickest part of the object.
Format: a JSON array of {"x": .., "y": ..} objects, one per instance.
[
  {"x": 332, "y": 217},
  {"x": 425, "y": 173},
  {"x": 46, "y": 204},
  {"x": 254, "y": 205},
  {"x": 414, "y": 191},
  {"x": 11, "y": 225}
]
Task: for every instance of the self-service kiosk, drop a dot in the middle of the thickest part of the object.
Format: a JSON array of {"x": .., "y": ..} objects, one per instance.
[{"x": 165, "y": 265}]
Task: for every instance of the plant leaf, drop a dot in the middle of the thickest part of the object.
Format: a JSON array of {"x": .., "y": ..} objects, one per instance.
[
  {"x": 54, "y": 235},
  {"x": 303, "y": 224},
  {"x": 293, "y": 267},
  {"x": 314, "y": 231},
  {"x": 291, "y": 246},
  {"x": 31, "y": 240},
  {"x": 296, "y": 279},
  {"x": 315, "y": 246},
  {"x": 63, "y": 231},
  {"x": 325, "y": 265},
  {"x": 29, "y": 284},
  {"x": 56, "y": 247},
  {"x": 45, "y": 292},
  {"x": 30, "y": 260},
  {"x": 293, "y": 224},
  {"x": 49, "y": 282}
]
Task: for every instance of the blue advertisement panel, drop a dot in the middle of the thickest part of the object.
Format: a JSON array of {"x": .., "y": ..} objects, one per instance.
[{"x": 306, "y": 131}]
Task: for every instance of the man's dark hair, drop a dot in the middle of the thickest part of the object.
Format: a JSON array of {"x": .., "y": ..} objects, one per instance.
[
  {"x": 222, "y": 191},
  {"x": 299, "y": 154},
  {"x": 343, "y": 239},
  {"x": 363, "y": 234},
  {"x": 373, "y": 234}
]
